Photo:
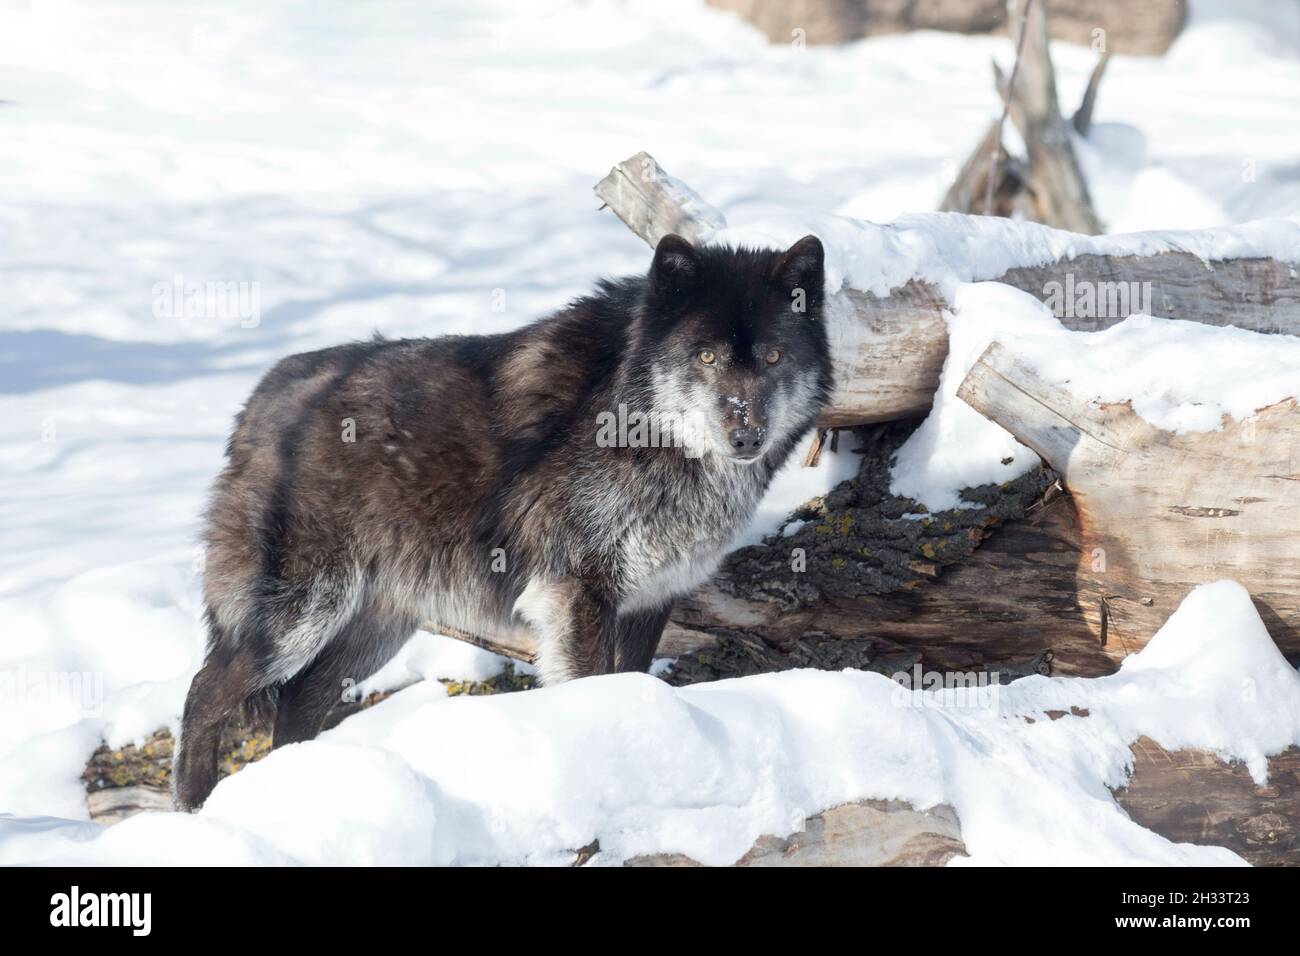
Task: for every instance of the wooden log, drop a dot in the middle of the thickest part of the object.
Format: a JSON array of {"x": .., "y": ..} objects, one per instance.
[
  {"x": 654, "y": 204},
  {"x": 1191, "y": 796},
  {"x": 889, "y": 350},
  {"x": 519, "y": 643},
  {"x": 1260, "y": 295},
  {"x": 1159, "y": 512},
  {"x": 1049, "y": 187},
  {"x": 115, "y": 804},
  {"x": 888, "y": 353},
  {"x": 1009, "y": 607},
  {"x": 869, "y": 833}
]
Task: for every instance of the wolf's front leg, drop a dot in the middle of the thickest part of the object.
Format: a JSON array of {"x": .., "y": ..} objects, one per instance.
[{"x": 575, "y": 625}]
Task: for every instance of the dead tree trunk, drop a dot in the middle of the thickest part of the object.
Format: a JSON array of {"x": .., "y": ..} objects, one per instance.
[
  {"x": 1160, "y": 512},
  {"x": 1055, "y": 180},
  {"x": 1049, "y": 187}
]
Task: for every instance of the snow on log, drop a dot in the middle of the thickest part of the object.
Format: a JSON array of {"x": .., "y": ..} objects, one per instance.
[
  {"x": 1187, "y": 796},
  {"x": 890, "y": 339},
  {"x": 1160, "y": 512}
]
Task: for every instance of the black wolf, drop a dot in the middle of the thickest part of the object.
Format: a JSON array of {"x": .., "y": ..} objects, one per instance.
[{"x": 479, "y": 482}]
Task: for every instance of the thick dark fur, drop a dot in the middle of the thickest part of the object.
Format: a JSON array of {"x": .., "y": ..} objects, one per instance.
[{"x": 373, "y": 486}]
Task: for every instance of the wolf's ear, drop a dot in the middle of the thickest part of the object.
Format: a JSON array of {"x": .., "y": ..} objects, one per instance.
[
  {"x": 676, "y": 266},
  {"x": 802, "y": 266}
]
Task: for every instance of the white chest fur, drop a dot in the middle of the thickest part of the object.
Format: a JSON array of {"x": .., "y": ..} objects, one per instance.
[{"x": 674, "y": 547}]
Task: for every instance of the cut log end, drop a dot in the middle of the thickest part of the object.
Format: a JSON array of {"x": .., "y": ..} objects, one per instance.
[
  {"x": 653, "y": 204},
  {"x": 1160, "y": 512}
]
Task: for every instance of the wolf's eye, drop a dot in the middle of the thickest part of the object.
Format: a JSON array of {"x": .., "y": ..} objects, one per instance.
[
  {"x": 773, "y": 356},
  {"x": 707, "y": 357}
]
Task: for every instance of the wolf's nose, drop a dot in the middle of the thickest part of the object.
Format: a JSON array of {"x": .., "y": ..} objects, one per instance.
[{"x": 745, "y": 440}]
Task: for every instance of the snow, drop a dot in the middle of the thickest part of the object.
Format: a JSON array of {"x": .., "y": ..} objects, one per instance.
[
  {"x": 705, "y": 770},
  {"x": 947, "y": 249},
  {"x": 1180, "y": 376},
  {"x": 427, "y": 169},
  {"x": 956, "y": 447},
  {"x": 434, "y": 657}
]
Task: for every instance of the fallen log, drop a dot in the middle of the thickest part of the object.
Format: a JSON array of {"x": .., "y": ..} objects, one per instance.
[
  {"x": 518, "y": 644},
  {"x": 1008, "y": 609},
  {"x": 1186, "y": 796},
  {"x": 889, "y": 349},
  {"x": 1191, "y": 796},
  {"x": 1160, "y": 512},
  {"x": 988, "y": 588},
  {"x": 868, "y": 833},
  {"x": 1047, "y": 185},
  {"x": 653, "y": 204}
]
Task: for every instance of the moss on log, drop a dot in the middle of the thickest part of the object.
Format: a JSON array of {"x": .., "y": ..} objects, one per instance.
[
  {"x": 862, "y": 539},
  {"x": 866, "y": 581}
]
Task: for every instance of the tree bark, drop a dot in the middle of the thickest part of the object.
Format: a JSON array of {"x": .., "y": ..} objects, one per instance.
[
  {"x": 885, "y": 833},
  {"x": 1191, "y": 796}
]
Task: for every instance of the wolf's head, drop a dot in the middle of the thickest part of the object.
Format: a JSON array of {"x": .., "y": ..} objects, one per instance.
[{"x": 734, "y": 344}]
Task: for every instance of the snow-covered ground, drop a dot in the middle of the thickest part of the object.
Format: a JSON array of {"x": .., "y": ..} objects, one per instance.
[
  {"x": 644, "y": 767},
  {"x": 420, "y": 169}
]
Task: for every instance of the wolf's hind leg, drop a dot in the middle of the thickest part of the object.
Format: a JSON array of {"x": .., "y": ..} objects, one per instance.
[
  {"x": 360, "y": 648},
  {"x": 223, "y": 683},
  {"x": 637, "y": 636}
]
